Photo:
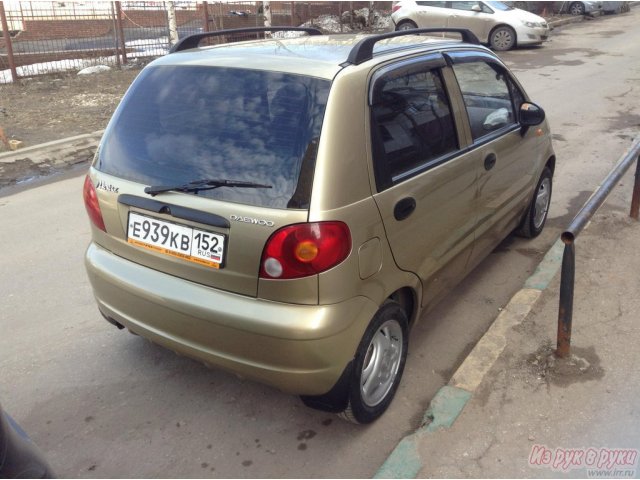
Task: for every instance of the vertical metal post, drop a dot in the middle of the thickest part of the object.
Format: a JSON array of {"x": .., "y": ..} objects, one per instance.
[
  {"x": 351, "y": 11},
  {"x": 635, "y": 199},
  {"x": 205, "y": 17},
  {"x": 293, "y": 13},
  {"x": 123, "y": 46},
  {"x": 565, "y": 312},
  {"x": 7, "y": 41},
  {"x": 115, "y": 33},
  {"x": 223, "y": 38}
]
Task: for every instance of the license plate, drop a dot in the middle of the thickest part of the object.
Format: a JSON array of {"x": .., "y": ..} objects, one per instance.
[{"x": 180, "y": 241}]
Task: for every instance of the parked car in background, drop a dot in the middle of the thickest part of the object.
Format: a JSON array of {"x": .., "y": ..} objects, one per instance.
[
  {"x": 287, "y": 208},
  {"x": 578, "y": 8},
  {"x": 500, "y": 26},
  {"x": 572, "y": 8},
  {"x": 615, "y": 7}
]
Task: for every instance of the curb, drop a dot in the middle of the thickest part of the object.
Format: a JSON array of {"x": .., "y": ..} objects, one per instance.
[
  {"x": 28, "y": 164},
  {"x": 6, "y": 157},
  {"x": 566, "y": 21},
  {"x": 449, "y": 402}
]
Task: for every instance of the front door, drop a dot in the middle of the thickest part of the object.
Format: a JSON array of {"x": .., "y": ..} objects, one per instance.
[{"x": 503, "y": 155}]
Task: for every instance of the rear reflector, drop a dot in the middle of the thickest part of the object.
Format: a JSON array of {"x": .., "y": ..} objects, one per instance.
[{"x": 92, "y": 204}]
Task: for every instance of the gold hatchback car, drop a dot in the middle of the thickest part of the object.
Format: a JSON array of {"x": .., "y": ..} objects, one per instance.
[{"x": 287, "y": 208}]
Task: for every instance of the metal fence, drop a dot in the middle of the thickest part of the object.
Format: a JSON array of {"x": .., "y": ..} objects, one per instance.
[
  {"x": 568, "y": 273},
  {"x": 40, "y": 37}
]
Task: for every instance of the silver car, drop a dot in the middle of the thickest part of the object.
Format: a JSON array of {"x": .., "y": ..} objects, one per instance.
[{"x": 496, "y": 24}]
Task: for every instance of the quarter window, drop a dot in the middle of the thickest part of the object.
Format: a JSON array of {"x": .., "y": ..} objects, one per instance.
[
  {"x": 486, "y": 93},
  {"x": 412, "y": 124}
]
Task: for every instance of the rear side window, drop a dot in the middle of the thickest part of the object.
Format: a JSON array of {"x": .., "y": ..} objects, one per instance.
[
  {"x": 180, "y": 124},
  {"x": 412, "y": 124}
]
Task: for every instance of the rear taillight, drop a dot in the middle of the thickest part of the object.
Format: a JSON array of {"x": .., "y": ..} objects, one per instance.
[
  {"x": 91, "y": 204},
  {"x": 305, "y": 249},
  {"x": 396, "y": 6}
]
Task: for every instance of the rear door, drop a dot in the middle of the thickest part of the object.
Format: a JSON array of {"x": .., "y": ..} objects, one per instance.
[
  {"x": 431, "y": 14},
  {"x": 426, "y": 186},
  {"x": 462, "y": 16}
]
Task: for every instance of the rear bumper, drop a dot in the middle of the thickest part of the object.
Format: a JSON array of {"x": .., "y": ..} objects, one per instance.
[{"x": 299, "y": 349}]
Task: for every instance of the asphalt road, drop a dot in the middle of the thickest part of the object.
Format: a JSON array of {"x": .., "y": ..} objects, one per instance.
[{"x": 104, "y": 403}]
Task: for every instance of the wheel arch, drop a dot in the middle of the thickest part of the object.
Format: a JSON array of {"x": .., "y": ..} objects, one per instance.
[
  {"x": 551, "y": 163},
  {"x": 582, "y": 9},
  {"x": 495, "y": 27},
  {"x": 407, "y": 298},
  {"x": 406, "y": 20}
]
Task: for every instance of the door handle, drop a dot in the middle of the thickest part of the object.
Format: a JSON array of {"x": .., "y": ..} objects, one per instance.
[
  {"x": 404, "y": 208},
  {"x": 490, "y": 161}
]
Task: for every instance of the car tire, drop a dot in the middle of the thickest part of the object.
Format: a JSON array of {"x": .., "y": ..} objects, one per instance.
[
  {"x": 536, "y": 216},
  {"x": 576, "y": 8},
  {"x": 378, "y": 365},
  {"x": 406, "y": 25},
  {"x": 502, "y": 38}
]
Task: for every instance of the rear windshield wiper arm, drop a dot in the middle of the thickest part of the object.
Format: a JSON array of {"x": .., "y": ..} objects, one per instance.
[{"x": 198, "y": 185}]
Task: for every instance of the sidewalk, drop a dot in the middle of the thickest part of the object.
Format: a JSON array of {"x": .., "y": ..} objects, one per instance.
[{"x": 531, "y": 407}]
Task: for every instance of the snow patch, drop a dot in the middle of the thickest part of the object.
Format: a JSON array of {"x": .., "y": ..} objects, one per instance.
[{"x": 94, "y": 69}]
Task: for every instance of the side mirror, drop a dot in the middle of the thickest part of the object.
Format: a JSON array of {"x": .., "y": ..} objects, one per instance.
[
  {"x": 476, "y": 8},
  {"x": 531, "y": 114}
]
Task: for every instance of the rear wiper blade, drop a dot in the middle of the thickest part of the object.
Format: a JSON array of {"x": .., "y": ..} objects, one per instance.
[{"x": 198, "y": 185}]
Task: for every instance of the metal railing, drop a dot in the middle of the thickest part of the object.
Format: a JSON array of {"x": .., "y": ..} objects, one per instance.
[{"x": 567, "y": 279}]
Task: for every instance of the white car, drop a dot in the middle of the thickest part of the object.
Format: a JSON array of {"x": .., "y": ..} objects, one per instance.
[{"x": 500, "y": 26}]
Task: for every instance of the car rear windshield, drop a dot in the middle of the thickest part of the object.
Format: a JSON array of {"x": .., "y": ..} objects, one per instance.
[{"x": 179, "y": 124}]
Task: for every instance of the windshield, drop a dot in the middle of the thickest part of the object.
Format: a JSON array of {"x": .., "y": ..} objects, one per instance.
[
  {"x": 180, "y": 124},
  {"x": 499, "y": 6}
]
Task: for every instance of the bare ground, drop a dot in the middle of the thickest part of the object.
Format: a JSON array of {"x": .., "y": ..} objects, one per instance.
[{"x": 52, "y": 107}]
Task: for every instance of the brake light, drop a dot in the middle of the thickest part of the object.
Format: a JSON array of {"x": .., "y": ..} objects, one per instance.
[
  {"x": 305, "y": 249},
  {"x": 91, "y": 204},
  {"x": 396, "y": 6}
]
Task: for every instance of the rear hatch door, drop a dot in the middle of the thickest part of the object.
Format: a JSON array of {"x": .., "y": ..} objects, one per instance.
[{"x": 200, "y": 165}]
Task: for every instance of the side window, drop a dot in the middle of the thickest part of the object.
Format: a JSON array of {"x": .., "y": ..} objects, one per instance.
[
  {"x": 463, "y": 5},
  {"x": 432, "y": 4},
  {"x": 412, "y": 124},
  {"x": 487, "y": 96},
  {"x": 469, "y": 6}
]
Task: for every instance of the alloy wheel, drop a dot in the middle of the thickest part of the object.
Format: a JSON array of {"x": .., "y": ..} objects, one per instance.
[{"x": 381, "y": 363}]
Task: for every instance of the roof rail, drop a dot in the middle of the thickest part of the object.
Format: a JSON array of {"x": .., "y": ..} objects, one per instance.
[
  {"x": 363, "y": 50},
  {"x": 192, "y": 41}
]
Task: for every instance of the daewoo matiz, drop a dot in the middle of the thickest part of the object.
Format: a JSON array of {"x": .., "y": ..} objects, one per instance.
[{"x": 287, "y": 208}]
